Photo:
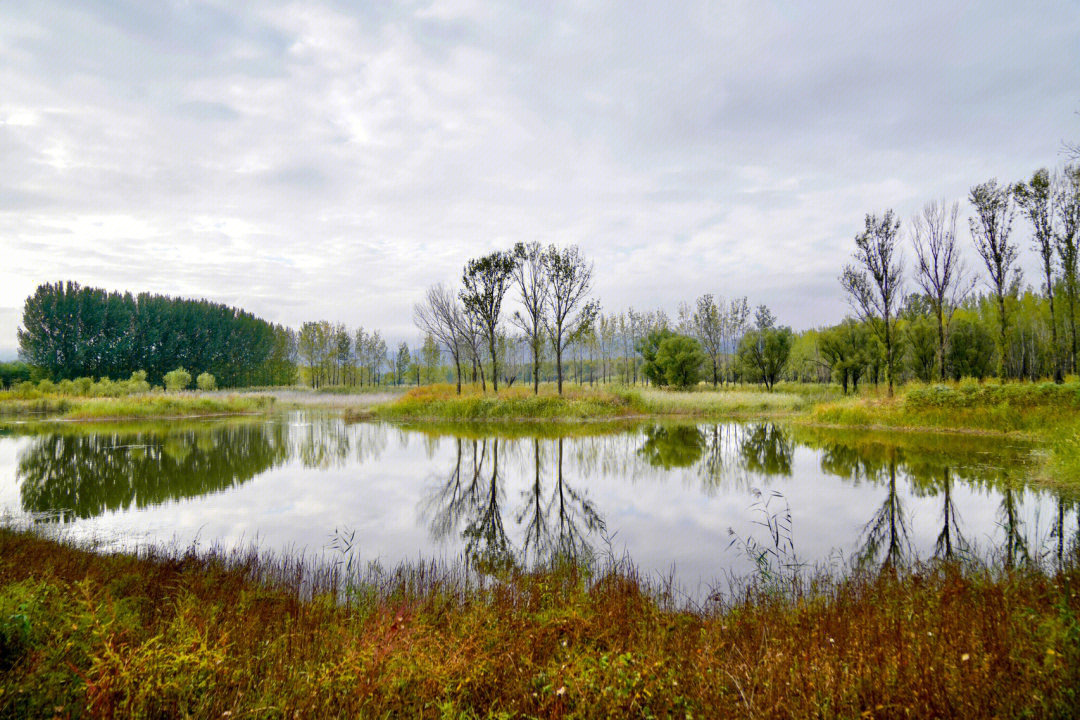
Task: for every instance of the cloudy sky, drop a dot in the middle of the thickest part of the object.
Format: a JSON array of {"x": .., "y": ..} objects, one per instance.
[{"x": 331, "y": 160}]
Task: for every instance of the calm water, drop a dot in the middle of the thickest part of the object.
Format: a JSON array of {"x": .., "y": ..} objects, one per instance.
[{"x": 671, "y": 496}]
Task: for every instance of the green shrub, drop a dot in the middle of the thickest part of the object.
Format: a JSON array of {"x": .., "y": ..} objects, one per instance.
[
  {"x": 206, "y": 381},
  {"x": 178, "y": 379}
]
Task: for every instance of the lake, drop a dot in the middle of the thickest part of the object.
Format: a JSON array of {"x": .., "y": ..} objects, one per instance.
[{"x": 691, "y": 501}]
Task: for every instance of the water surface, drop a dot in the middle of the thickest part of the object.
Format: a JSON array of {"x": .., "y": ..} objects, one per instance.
[{"x": 695, "y": 501}]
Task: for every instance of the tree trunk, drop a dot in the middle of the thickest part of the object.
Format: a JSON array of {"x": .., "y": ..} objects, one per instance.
[{"x": 558, "y": 365}]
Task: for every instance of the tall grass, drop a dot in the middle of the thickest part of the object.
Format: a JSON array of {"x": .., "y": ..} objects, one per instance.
[
  {"x": 440, "y": 402},
  {"x": 148, "y": 406},
  {"x": 990, "y": 406},
  {"x": 179, "y": 634},
  {"x": 164, "y": 406}
]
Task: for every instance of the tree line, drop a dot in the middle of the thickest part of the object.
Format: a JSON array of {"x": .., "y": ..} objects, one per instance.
[
  {"x": 1029, "y": 335},
  {"x": 71, "y": 331},
  {"x": 527, "y": 313}
]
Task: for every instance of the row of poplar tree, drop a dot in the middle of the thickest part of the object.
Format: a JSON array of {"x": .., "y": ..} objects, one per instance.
[{"x": 70, "y": 331}]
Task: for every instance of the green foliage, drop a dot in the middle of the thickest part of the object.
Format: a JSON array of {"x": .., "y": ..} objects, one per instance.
[
  {"x": 971, "y": 350},
  {"x": 206, "y": 381},
  {"x": 78, "y": 387},
  {"x": 763, "y": 354},
  {"x": 649, "y": 347},
  {"x": 178, "y": 379},
  {"x": 847, "y": 348},
  {"x": 680, "y": 360},
  {"x": 12, "y": 373},
  {"x": 921, "y": 347},
  {"x": 72, "y": 331}
]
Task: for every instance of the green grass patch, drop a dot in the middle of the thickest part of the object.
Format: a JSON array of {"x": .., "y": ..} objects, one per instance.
[
  {"x": 164, "y": 406},
  {"x": 149, "y": 406},
  {"x": 441, "y": 402}
]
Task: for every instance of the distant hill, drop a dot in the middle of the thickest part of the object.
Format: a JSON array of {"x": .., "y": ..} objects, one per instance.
[{"x": 8, "y": 354}]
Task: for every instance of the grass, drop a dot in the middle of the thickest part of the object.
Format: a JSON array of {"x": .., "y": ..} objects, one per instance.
[
  {"x": 442, "y": 403},
  {"x": 990, "y": 407},
  {"x": 147, "y": 406},
  {"x": 174, "y": 634}
]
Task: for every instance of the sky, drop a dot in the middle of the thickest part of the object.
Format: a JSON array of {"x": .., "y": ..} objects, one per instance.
[{"x": 331, "y": 160}]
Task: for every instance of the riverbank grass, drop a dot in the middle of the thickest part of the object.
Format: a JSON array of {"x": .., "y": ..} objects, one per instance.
[
  {"x": 213, "y": 635},
  {"x": 147, "y": 406},
  {"x": 1033, "y": 408},
  {"x": 442, "y": 403}
]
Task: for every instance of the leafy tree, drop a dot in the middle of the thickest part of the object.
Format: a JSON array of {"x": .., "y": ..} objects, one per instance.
[
  {"x": 921, "y": 338},
  {"x": 763, "y": 353},
  {"x": 649, "y": 348},
  {"x": 1035, "y": 199},
  {"x": 431, "y": 356},
  {"x": 764, "y": 318},
  {"x": 1067, "y": 243},
  {"x": 990, "y": 229},
  {"x": 845, "y": 348},
  {"x": 177, "y": 380},
  {"x": 971, "y": 350},
  {"x": 402, "y": 361},
  {"x": 707, "y": 322},
  {"x": 570, "y": 312},
  {"x": 14, "y": 372},
  {"x": 486, "y": 280},
  {"x": 680, "y": 360},
  {"x": 874, "y": 283},
  {"x": 206, "y": 382},
  {"x": 313, "y": 347},
  {"x": 534, "y": 288}
]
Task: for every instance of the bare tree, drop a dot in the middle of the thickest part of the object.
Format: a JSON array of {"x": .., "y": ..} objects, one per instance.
[
  {"x": 940, "y": 270},
  {"x": 440, "y": 315},
  {"x": 1035, "y": 199},
  {"x": 707, "y": 323},
  {"x": 1067, "y": 242},
  {"x": 531, "y": 277},
  {"x": 875, "y": 284},
  {"x": 571, "y": 312},
  {"x": 486, "y": 280},
  {"x": 990, "y": 229},
  {"x": 734, "y": 322}
]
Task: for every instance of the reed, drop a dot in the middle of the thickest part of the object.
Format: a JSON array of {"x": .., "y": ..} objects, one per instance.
[{"x": 175, "y": 633}]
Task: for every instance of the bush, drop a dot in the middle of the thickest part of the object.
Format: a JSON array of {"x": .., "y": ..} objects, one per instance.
[
  {"x": 178, "y": 379},
  {"x": 205, "y": 381}
]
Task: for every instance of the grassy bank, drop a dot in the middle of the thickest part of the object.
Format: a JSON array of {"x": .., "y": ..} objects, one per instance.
[
  {"x": 991, "y": 407},
  {"x": 442, "y": 403},
  {"x": 178, "y": 635},
  {"x": 147, "y": 406}
]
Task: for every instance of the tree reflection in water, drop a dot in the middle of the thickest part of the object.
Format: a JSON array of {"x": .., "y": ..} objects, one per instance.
[
  {"x": 557, "y": 519},
  {"x": 672, "y": 446},
  {"x": 87, "y": 474},
  {"x": 885, "y": 536},
  {"x": 767, "y": 449},
  {"x": 545, "y": 511}
]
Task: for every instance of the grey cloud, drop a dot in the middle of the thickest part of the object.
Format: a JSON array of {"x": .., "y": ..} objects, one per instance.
[{"x": 331, "y": 159}]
